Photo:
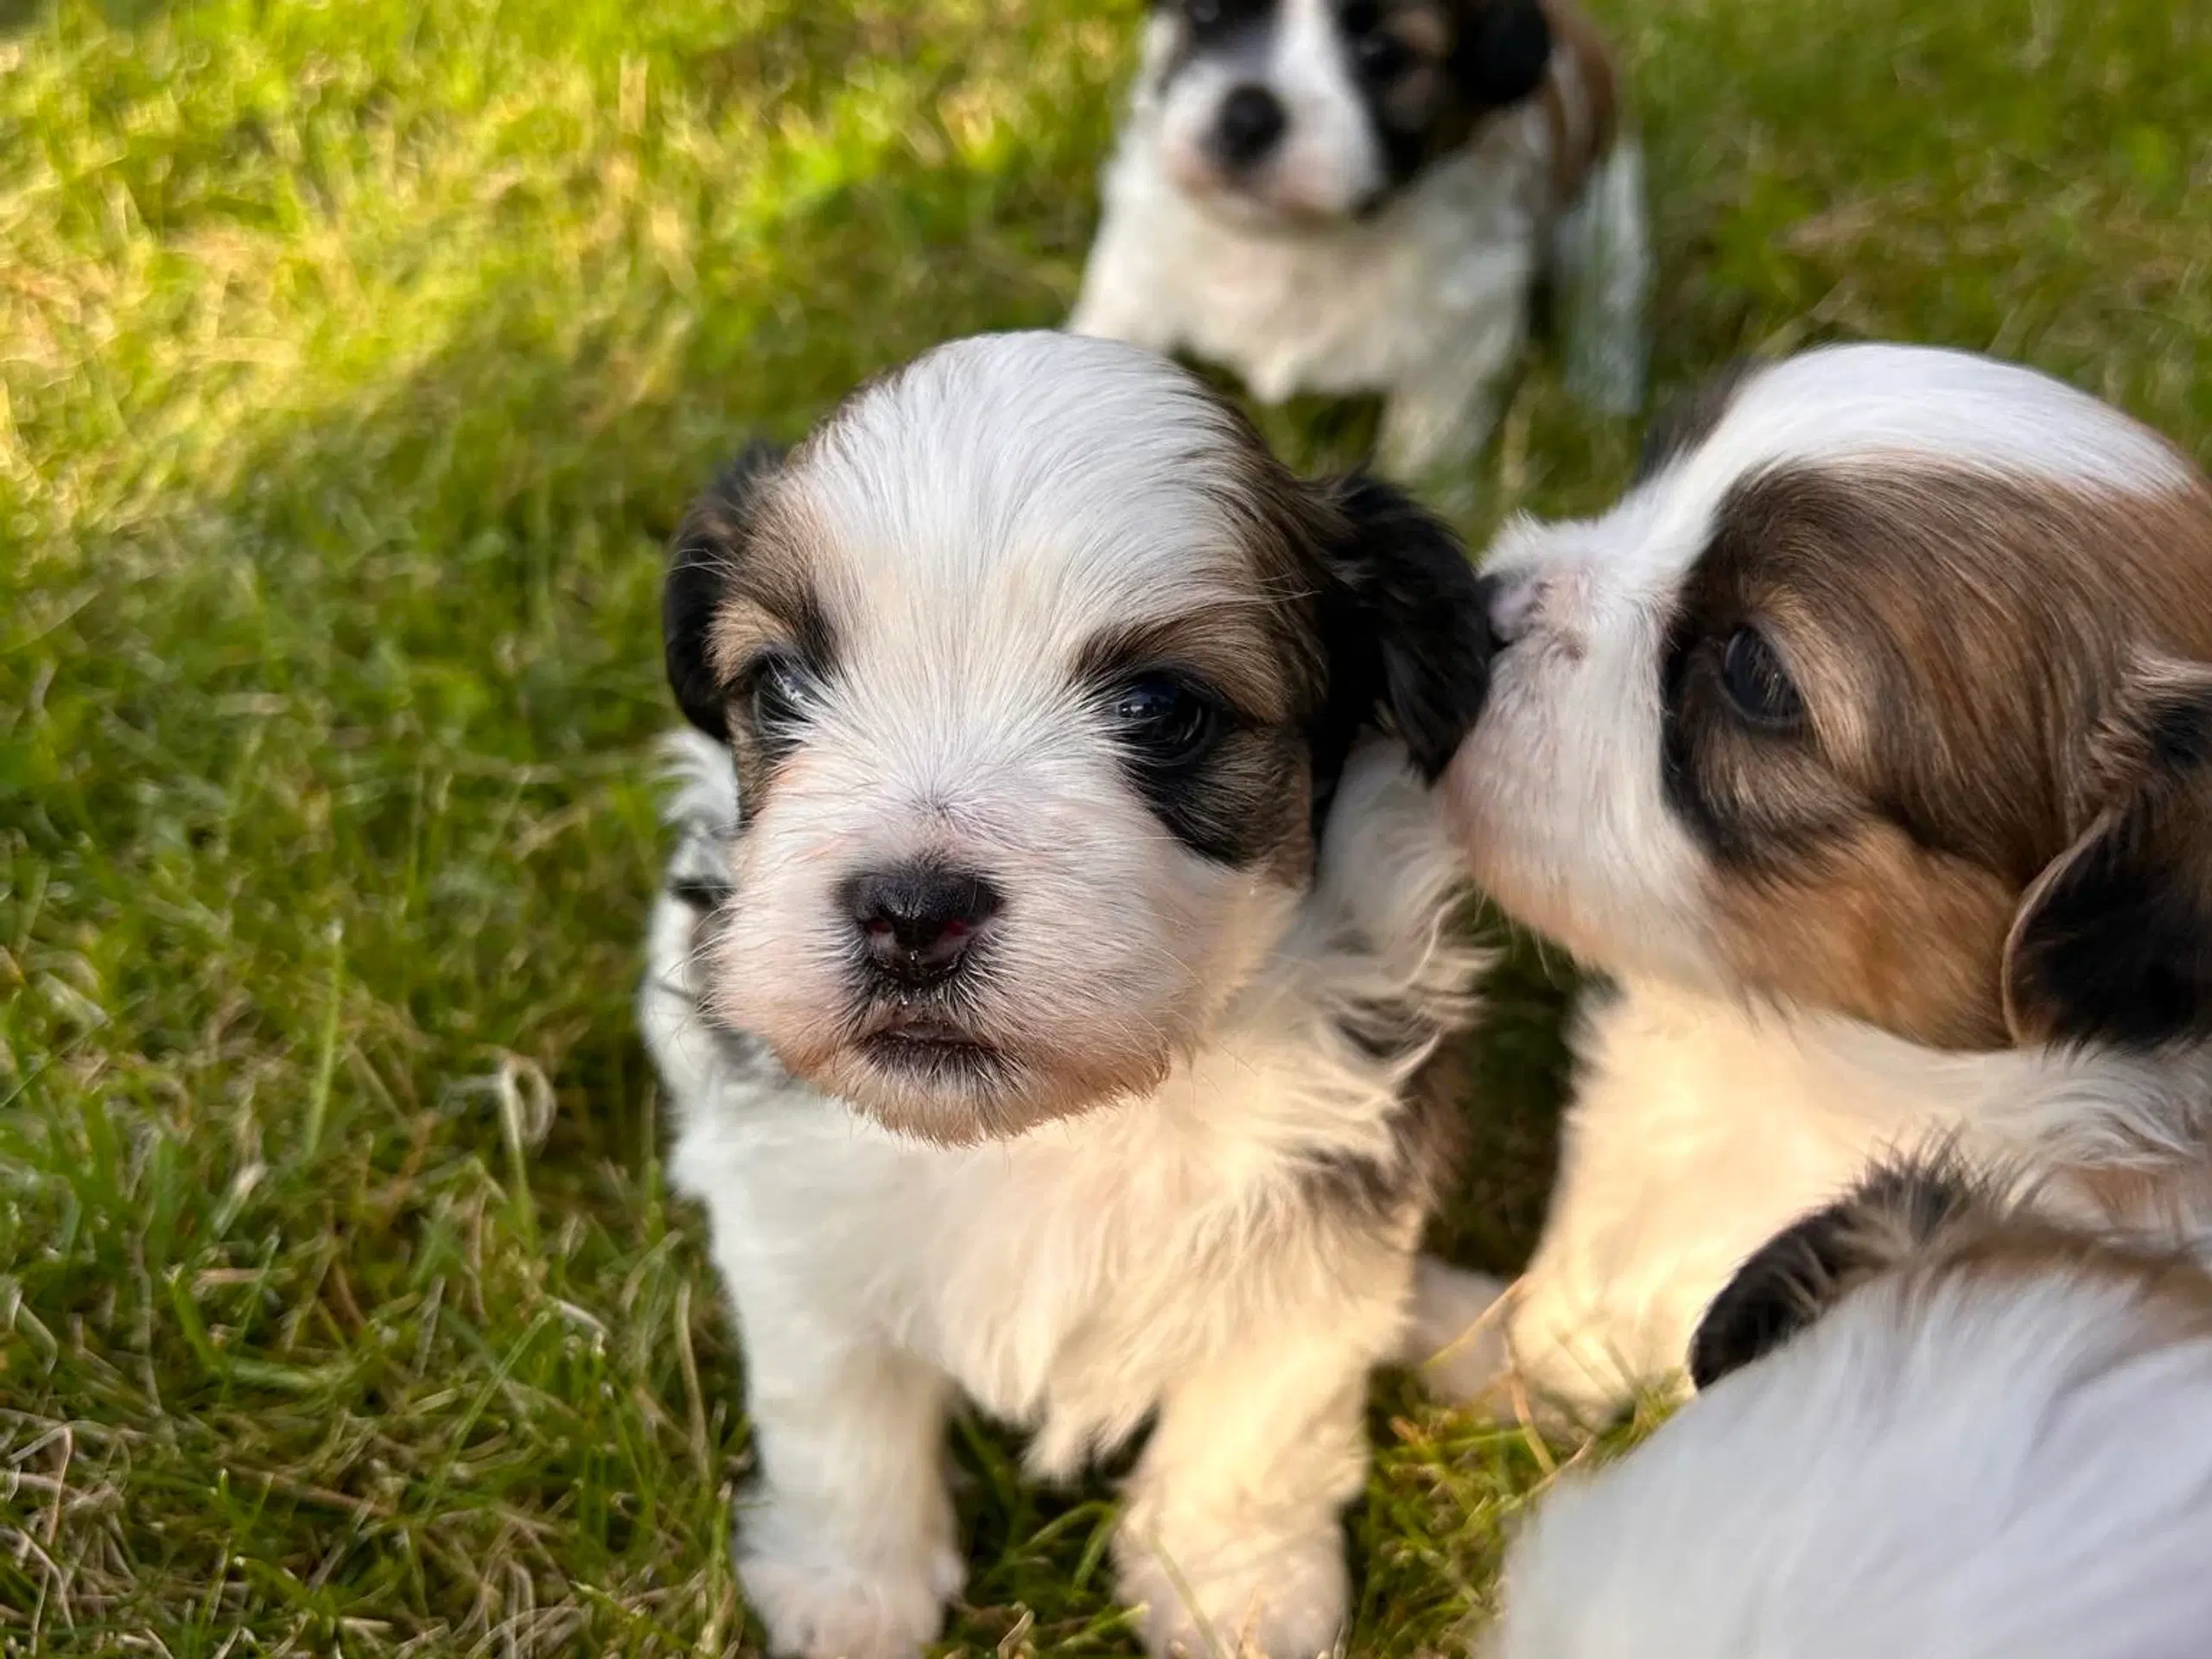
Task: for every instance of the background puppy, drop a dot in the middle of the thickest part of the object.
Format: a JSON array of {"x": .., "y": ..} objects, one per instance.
[
  {"x": 1349, "y": 196},
  {"x": 1927, "y": 1424},
  {"x": 1054, "y": 1024},
  {"x": 1867, "y": 744}
]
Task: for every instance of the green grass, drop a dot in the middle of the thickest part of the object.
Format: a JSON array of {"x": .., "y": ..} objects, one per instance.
[{"x": 355, "y": 357}]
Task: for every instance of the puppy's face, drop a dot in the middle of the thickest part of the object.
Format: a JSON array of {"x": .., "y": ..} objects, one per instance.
[
  {"x": 1316, "y": 110},
  {"x": 1883, "y": 691},
  {"x": 1031, "y": 663}
]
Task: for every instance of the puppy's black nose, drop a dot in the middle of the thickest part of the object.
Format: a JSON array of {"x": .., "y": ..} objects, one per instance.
[
  {"x": 917, "y": 921},
  {"x": 1251, "y": 120}
]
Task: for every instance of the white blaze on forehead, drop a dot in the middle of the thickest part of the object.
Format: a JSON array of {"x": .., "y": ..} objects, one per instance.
[
  {"x": 1031, "y": 487},
  {"x": 1843, "y": 406},
  {"x": 1946, "y": 408}
]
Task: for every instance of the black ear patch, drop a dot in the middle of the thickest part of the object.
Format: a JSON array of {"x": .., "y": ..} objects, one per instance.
[
  {"x": 2112, "y": 944},
  {"x": 707, "y": 545},
  {"x": 1503, "y": 48},
  {"x": 1802, "y": 1271},
  {"x": 1405, "y": 632}
]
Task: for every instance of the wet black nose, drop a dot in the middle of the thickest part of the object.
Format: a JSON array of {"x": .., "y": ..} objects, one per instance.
[
  {"x": 1251, "y": 120},
  {"x": 917, "y": 921}
]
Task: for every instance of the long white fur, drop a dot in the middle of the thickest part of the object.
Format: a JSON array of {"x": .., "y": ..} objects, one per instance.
[
  {"x": 1703, "y": 1118},
  {"x": 1155, "y": 1253},
  {"x": 1986, "y": 1466},
  {"x": 1426, "y": 300}
]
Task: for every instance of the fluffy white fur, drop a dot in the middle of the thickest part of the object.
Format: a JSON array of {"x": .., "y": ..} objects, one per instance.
[
  {"x": 1706, "y": 1113},
  {"x": 1425, "y": 300},
  {"x": 1177, "y": 1248},
  {"x": 1155, "y": 1253},
  {"x": 1977, "y": 1465}
]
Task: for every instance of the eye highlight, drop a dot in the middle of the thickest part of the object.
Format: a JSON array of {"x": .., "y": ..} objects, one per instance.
[
  {"x": 1755, "y": 683},
  {"x": 1165, "y": 719}
]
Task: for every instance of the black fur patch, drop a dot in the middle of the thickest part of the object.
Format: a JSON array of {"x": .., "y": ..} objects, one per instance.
[
  {"x": 1794, "y": 1277},
  {"x": 698, "y": 573},
  {"x": 1405, "y": 631},
  {"x": 2118, "y": 948},
  {"x": 2116, "y": 954}
]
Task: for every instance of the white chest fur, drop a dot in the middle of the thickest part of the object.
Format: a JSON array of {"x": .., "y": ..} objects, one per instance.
[
  {"x": 1355, "y": 306},
  {"x": 1052, "y": 1278}
]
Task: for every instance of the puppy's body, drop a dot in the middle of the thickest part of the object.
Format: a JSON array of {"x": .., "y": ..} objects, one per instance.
[
  {"x": 1332, "y": 275},
  {"x": 1134, "y": 1129},
  {"x": 1858, "y": 745},
  {"x": 1926, "y": 1424}
]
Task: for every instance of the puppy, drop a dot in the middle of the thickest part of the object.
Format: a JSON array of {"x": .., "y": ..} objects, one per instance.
[
  {"x": 1866, "y": 746},
  {"x": 1349, "y": 196},
  {"x": 1928, "y": 1424},
  {"x": 1051, "y": 970}
]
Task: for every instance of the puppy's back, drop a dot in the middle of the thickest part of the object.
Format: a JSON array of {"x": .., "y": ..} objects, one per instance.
[{"x": 1996, "y": 1445}]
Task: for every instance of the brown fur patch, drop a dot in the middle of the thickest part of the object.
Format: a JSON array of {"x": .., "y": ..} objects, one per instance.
[{"x": 1964, "y": 644}]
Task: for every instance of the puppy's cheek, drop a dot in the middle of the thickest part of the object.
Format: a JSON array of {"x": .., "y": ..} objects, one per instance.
[{"x": 1558, "y": 812}]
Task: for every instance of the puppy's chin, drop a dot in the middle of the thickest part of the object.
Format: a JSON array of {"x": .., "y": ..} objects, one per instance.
[{"x": 956, "y": 1088}]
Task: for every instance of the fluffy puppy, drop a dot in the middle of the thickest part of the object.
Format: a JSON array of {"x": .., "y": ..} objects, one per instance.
[
  {"x": 1348, "y": 196},
  {"x": 1927, "y": 1423},
  {"x": 1866, "y": 746},
  {"x": 1051, "y": 968}
]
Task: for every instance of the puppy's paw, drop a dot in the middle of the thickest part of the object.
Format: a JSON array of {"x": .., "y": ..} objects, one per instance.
[
  {"x": 1287, "y": 1603},
  {"x": 1454, "y": 1340},
  {"x": 819, "y": 1610}
]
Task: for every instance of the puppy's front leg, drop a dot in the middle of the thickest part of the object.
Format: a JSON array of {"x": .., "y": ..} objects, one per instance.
[
  {"x": 1439, "y": 416},
  {"x": 1232, "y": 1531},
  {"x": 847, "y": 1550}
]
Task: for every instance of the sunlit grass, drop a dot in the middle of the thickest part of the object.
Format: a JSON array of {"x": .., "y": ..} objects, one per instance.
[{"x": 355, "y": 358}]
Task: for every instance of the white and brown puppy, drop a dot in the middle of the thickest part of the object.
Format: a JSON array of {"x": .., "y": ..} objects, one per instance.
[
  {"x": 1353, "y": 196},
  {"x": 1866, "y": 746},
  {"x": 1052, "y": 970},
  {"x": 1927, "y": 1423}
]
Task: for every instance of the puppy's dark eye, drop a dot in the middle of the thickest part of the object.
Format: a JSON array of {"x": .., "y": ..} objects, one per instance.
[
  {"x": 1756, "y": 684},
  {"x": 1168, "y": 721},
  {"x": 784, "y": 693},
  {"x": 1203, "y": 14},
  {"x": 1380, "y": 56}
]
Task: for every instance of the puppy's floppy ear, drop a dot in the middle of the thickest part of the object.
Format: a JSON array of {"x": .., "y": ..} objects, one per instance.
[
  {"x": 1502, "y": 49},
  {"x": 709, "y": 545},
  {"x": 2113, "y": 943},
  {"x": 1405, "y": 629},
  {"x": 1802, "y": 1271}
]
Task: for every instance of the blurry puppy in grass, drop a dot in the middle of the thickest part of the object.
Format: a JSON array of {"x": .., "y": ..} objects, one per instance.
[{"x": 1364, "y": 196}]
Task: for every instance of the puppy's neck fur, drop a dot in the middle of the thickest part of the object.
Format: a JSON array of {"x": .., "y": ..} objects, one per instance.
[{"x": 2111, "y": 1123}]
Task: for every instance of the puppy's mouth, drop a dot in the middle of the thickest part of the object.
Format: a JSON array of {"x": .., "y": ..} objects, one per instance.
[{"x": 929, "y": 1048}]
